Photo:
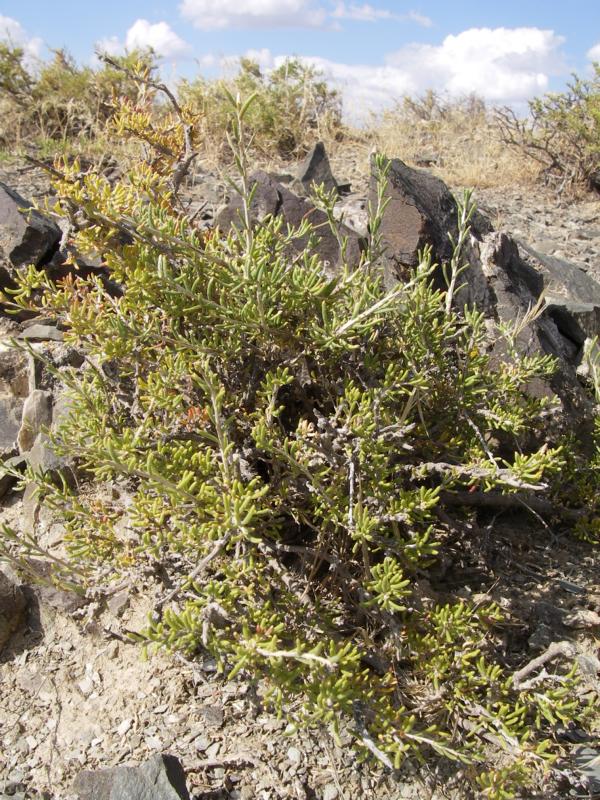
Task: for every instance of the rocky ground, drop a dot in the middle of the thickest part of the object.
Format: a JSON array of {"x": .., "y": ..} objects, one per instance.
[{"x": 75, "y": 693}]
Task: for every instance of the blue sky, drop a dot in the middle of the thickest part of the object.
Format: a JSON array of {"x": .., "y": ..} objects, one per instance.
[{"x": 373, "y": 51}]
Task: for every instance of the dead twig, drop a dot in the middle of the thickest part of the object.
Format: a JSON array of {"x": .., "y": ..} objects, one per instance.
[
  {"x": 564, "y": 648},
  {"x": 195, "y": 573},
  {"x": 512, "y": 502},
  {"x": 185, "y": 159},
  {"x": 225, "y": 761}
]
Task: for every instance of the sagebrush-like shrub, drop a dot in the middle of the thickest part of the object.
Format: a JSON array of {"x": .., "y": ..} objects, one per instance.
[
  {"x": 60, "y": 102},
  {"x": 562, "y": 133},
  {"x": 295, "y": 107},
  {"x": 287, "y": 439}
]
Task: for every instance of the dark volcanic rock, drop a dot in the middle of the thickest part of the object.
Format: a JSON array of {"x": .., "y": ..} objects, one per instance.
[
  {"x": 7, "y": 479},
  {"x": 316, "y": 169},
  {"x": 271, "y": 198},
  {"x": 26, "y": 235},
  {"x": 562, "y": 279},
  {"x": 504, "y": 287},
  {"x": 499, "y": 281},
  {"x": 420, "y": 211},
  {"x": 160, "y": 778}
]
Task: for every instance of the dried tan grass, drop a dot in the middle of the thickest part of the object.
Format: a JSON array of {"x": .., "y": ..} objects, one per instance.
[{"x": 459, "y": 141}]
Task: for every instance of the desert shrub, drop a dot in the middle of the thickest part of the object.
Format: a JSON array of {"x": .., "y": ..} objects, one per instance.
[
  {"x": 458, "y": 139},
  {"x": 61, "y": 103},
  {"x": 562, "y": 133},
  {"x": 295, "y": 108},
  {"x": 287, "y": 440}
]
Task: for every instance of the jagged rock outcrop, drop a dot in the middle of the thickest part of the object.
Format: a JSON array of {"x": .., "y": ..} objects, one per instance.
[
  {"x": 499, "y": 281},
  {"x": 316, "y": 169},
  {"x": 274, "y": 199},
  {"x": 26, "y": 235},
  {"x": 420, "y": 211},
  {"x": 505, "y": 287}
]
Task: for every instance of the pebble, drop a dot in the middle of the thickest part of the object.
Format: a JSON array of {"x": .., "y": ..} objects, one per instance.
[{"x": 213, "y": 750}]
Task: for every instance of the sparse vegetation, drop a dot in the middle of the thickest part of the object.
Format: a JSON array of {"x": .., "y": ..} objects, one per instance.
[
  {"x": 459, "y": 140},
  {"x": 294, "y": 109},
  {"x": 62, "y": 108},
  {"x": 562, "y": 133}
]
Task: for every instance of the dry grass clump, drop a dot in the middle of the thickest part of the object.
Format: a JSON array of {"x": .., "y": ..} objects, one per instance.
[{"x": 459, "y": 140}]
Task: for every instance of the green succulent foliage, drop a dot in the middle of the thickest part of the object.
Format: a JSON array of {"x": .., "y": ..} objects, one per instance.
[{"x": 277, "y": 430}]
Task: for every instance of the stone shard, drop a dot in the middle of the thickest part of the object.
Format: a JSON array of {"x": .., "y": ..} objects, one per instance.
[
  {"x": 11, "y": 412},
  {"x": 13, "y": 606},
  {"x": 504, "y": 287},
  {"x": 37, "y": 414},
  {"x": 14, "y": 388},
  {"x": 26, "y": 235},
  {"x": 160, "y": 778},
  {"x": 421, "y": 211},
  {"x": 562, "y": 279},
  {"x": 43, "y": 333},
  {"x": 272, "y": 199},
  {"x": 316, "y": 169}
]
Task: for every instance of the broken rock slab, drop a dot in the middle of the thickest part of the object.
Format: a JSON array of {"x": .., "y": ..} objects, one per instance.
[
  {"x": 315, "y": 169},
  {"x": 160, "y": 778},
  {"x": 504, "y": 287},
  {"x": 420, "y": 212},
  {"x": 272, "y": 199},
  {"x": 14, "y": 386},
  {"x": 11, "y": 412},
  {"x": 498, "y": 281},
  {"x": 37, "y": 414},
  {"x": 41, "y": 333},
  {"x": 26, "y": 235}
]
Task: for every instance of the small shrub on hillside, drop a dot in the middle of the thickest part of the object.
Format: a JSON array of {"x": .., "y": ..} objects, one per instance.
[
  {"x": 294, "y": 108},
  {"x": 59, "y": 102},
  {"x": 288, "y": 441},
  {"x": 562, "y": 133}
]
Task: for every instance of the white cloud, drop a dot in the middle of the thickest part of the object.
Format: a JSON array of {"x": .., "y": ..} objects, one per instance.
[
  {"x": 142, "y": 35},
  {"x": 14, "y": 33},
  {"x": 504, "y": 66},
  {"x": 159, "y": 36},
  {"x": 368, "y": 13},
  {"x": 594, "y": 52},
  {"x": 263, "y": 57},
  {"x": 111, "y": 45},
  {"x": 208, "y": 15},
  {"x": 364, "y": 13},
  {"x": 420, "y": 19}
]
